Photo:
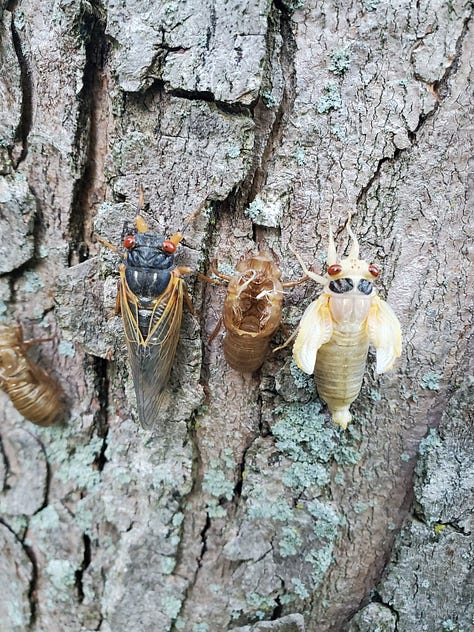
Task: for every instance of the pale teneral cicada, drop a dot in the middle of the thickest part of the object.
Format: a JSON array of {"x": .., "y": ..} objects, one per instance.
[
  {"x": 34, "y": 393},
  {"x": 335, "y": 331}
]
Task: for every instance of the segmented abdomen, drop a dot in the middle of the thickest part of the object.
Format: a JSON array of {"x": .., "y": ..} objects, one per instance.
[
  {"x": 245, "y": 353},
  {"x": 34, "y": 394},
  {"x": 339, "y": 371}
]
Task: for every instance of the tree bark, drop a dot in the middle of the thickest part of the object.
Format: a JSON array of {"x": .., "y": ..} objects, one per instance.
[{"x": 244, "y": 508}]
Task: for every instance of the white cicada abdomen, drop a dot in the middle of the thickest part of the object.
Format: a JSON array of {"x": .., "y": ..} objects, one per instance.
[{"x": 336, "y": 329}]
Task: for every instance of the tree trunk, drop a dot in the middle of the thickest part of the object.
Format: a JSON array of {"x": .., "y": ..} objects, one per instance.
[{"x": 244, "y": 508}]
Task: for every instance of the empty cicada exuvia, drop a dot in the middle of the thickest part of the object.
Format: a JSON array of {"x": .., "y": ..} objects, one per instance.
[
  {"x": 336, "y": 329},
  {"x": 252, "y": 309},
  {"x": 32, "y": 391},
  {"x": 150, "y": 299}
]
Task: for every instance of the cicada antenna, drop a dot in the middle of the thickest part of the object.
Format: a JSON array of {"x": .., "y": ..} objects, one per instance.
[
  {"x": 140, "y": 221},
  {"x": 141, "y": 198},
  {"x": 178, "y": 237},
  {"x": 194, "y": 214},
  {"x": 332, "y": 254},
  {"x": 354, "y": 252}
]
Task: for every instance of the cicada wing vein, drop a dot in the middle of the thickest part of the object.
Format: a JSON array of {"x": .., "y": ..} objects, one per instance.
[
  {"x": 384, "y": 333},
  {"x": 315, "y": 329},
  {"x": 152, "y": 352}
]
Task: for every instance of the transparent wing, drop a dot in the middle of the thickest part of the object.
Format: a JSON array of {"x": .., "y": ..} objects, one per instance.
[
  {"x": 152, "y": 337},
  {"x": 315, "y": 329},
  {"x": 384, "y": 333}
]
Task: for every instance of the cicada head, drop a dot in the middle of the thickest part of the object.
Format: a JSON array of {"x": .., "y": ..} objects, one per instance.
[
  {"x": 264, "y": 263},
  {"x": 346, "y": 274},
  {"x": 146, "y": 248}
]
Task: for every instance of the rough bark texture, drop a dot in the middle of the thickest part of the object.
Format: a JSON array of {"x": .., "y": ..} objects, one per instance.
[{"x": 244, "y": 509}]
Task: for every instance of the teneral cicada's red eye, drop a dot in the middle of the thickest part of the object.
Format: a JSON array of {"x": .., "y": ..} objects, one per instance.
[
  {"x": 129, "y": 241},
  {"x": 374, "y": 271},
  {"x": 168, "y": 246},
  {"x": 334, "y": 269}
]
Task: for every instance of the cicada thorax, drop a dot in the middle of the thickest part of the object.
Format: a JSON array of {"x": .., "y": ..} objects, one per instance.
[
  {"x": 252, "y": 311},
  {"x": 32, "y": 391}
]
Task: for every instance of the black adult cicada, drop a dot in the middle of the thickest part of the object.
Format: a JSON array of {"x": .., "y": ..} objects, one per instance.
[{"x": 150, "y": 299}]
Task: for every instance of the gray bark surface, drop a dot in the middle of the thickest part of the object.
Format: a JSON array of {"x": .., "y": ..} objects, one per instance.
[{"x": 244, "y": 508}]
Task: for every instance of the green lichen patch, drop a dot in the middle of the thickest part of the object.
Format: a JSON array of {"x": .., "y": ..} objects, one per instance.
[
  {"x": 167, "y": 565},
  {"x": 261, "y": 604},
  {"x": 62, "y": 576},
  {"x": 269, "y": 100},
  {"x": 74, "y": 464},
  {"x": 233, "y": 151},
  {"x": 431, "y": 380},
  {"x": 299, "y": 588},
  {"x": 66, "y": 348},
  {"x": 32, "y": 282},
  {"x": 301, "y": 475},
  {"x": 432, "y": 441},
  {"x": 303, "y": 433},
  {"x": 330, "y": 100},
  {"x": 260, "y": 506},
  {"x": 320, "y": 560},
  {"x": 255, "y": 210},
  {"x": 171, "y": 606},
  {"x": 219, "y": 483},
  {"x": 226, "y": 268},
  {"x": 291, "y": 541},
  {"x": 371, "y": 5},
  {"x": 301, "y": 379},
  {"x": 300, "y": 156},
  {"x": 304, "y": 532},
  {"x": 340, "y": 61},
  {"x": 327, "y": 521}
]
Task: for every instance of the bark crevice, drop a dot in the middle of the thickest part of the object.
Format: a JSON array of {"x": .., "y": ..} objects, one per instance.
[
  {"x": 26, "y": 112},
  {"x": 91, "y": 135},
  {"x": 85, "y": 563}
]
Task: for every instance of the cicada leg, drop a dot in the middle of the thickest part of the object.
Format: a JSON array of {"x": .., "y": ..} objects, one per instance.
[
  {"x": 181, "y": 271},
  {"x": 215, "y": 271},
  {"x": 312, "y": 275},
  {"x": 216, "y": 330},
  {"x": 287, "y": 342},
  {"x": 287, "y": 284}
]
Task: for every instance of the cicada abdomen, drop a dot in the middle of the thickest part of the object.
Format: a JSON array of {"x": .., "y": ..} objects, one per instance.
[
  {"x": 335, "y": 331},
  {"x": 252, "y": 310},
  {"x": 32, "y": 391},
  {"x": 150, "y": 299}
]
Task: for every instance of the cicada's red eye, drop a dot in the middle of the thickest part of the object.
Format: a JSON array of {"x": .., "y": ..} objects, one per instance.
[
  {"x": 168, "y": 246},
  {"x": 129, "y": 241},
  {"x": 334, "y": 269},
  {"x": 374, "y": 271}
]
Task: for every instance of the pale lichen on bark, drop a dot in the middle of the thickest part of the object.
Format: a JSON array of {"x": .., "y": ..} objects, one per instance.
[{"x": 244, "y": 509}]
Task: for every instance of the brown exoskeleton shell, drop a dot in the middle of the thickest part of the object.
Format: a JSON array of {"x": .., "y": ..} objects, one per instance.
[
  {"x": 252, "y": 309},
  {"x": 32, "y": 391}
]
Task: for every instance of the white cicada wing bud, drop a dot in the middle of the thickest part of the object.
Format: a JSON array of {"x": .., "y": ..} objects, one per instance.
[
  {"x": 384, "y": 333},
  {"x": 315, "y": 329}
]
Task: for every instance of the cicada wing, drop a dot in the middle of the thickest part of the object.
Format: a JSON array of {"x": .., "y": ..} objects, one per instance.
[
  {"x": 315, "y": 329},
  {"x": 384, "y": 333},
  {"x": 152, "y": 337}
]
